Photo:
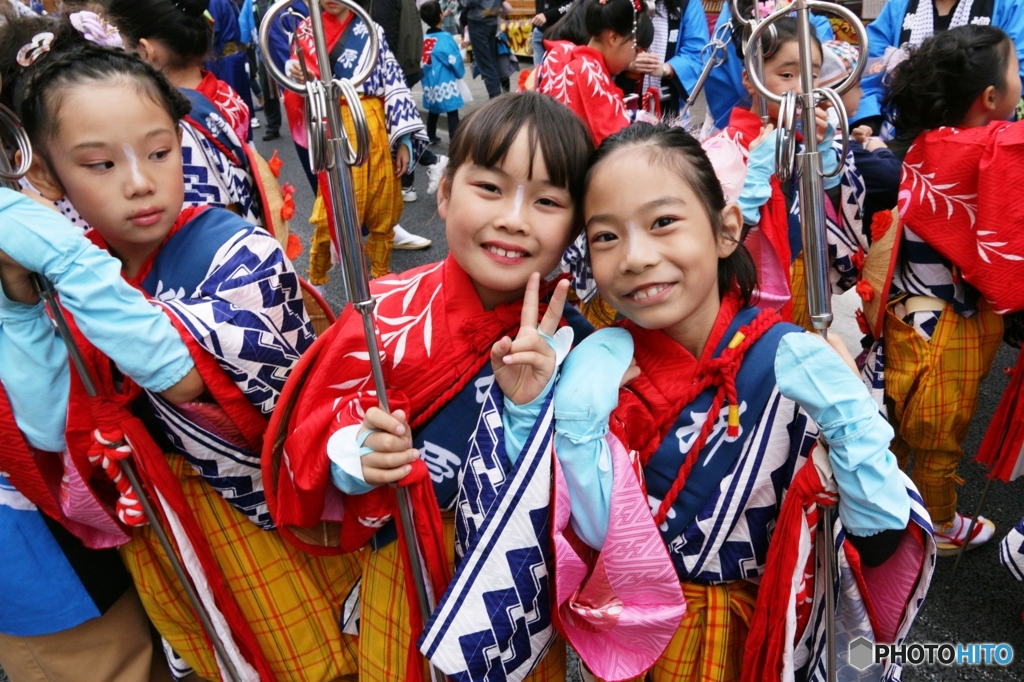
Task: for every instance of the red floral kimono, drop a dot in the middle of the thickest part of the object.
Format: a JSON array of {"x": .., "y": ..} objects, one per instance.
[{"x": 580, "y": 80}]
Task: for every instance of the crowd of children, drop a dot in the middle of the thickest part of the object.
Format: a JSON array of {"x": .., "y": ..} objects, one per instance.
[{"x": 652, "y": 494}]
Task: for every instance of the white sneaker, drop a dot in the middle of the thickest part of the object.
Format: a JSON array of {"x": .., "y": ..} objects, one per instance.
[
  {"x": 255, "y": 122},
  {"x": 435, "y": 172},
  {"x": 406, "y": 241},
  {"x": 409, "y": 195}
]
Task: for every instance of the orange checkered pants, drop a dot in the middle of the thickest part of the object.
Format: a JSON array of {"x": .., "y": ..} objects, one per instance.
[
  {"x": 384, "y": 630},
  {"x": 291, "y": 600},
  {"x": 378, "y": 200},
  {"x": 931, "y": 391},
  {"x": 708, "y": 646}
]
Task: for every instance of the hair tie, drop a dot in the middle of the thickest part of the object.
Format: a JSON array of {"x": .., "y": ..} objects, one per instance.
[
  {"x": 35, "y": 48},
  {"x": 94, "y": 29}
]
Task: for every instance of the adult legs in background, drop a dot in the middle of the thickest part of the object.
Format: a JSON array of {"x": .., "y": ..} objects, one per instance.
[
  {"x": 538, "y": 46},
  {"x": 483, "y": 37}
]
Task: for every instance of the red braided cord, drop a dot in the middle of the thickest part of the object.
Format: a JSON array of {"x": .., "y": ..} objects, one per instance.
[
  {"x": 720, "y": 372},
  {"x": 106, "y": 452}
]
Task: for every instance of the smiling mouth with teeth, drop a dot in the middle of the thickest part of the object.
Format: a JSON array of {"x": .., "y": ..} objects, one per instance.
[
  {"x": 648, "y": 292},
  {"x": 506, "y": 254}
]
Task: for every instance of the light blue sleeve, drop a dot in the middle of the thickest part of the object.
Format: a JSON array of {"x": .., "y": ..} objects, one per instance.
[
  {"x": 517, "y": 421},
  {"x": 830, "y": 159},
  {"x": 34, "y": 373},
  {"x": 344, "y": 449},
  {"x": 688, "y": 63},
  {"x": 115, "y": 317},
  {"x": 883, "y": 32},
  {"x": 757, "y": 188},
  {"x": 872, "y": 497}
]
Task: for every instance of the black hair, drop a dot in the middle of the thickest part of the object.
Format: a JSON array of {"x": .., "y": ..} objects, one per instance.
[
  {"x": 34, "y": 92},
  {"x": 572, "y": 26},
  {"x": 487, "y": 134},
  {"x": 680, "y": 152},
  {"x": 430, "y": 13},
  {"x": 785, "y": 32},
  {"x": 179, "y": 25},
  {"x": 619, "y": 16},
  {"x": 940, "y": 81}
]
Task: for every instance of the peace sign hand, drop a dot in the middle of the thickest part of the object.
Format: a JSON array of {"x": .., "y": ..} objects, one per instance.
[{"x": 523, "y": 367}]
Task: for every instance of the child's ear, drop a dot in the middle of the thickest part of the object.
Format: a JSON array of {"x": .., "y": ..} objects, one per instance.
[
  {"x": 732, "y": 228},
  {"x": 43, "y": 179},
  {"x": 747, "y": 85},
  {"x": 444, "y": 191},
  {"x": 990, "y": 98}
]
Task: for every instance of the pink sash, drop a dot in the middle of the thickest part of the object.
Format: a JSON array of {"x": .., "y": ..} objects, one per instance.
[{"x": 621, "y": 607}]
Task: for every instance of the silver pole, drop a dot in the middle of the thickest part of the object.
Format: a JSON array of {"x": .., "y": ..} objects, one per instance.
[
  {"x": 812, "y": 208},
  {"x": 340, "y": 154}
]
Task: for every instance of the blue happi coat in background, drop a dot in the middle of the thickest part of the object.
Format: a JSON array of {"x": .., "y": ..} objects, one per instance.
[{"x": 442, "y": 68}]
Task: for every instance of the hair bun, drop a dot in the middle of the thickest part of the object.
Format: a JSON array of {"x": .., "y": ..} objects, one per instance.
[{"x": 193, "y": 8}]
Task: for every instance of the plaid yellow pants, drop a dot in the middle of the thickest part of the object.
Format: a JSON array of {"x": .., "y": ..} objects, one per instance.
[
  {"x": 931, "y": 390},
  {"x": 708, "y": 646},
  {"x": 378, "y": 200}
]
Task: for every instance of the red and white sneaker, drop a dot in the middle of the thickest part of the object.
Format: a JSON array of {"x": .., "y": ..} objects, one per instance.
[{"x": 950, "y": 537}]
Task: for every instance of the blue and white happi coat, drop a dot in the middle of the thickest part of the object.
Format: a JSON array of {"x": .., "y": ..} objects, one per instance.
[
  {"x": 215, "y": 162},
  {"x": 231, "y": 286},
  {"x": 494, "y": 620}
]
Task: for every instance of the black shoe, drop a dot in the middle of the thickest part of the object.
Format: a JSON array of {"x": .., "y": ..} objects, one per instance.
[{"x": 271, "y": 135}]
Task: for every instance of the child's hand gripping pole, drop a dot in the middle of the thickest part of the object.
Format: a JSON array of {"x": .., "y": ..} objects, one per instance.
[
  {"x": 332, "y": 152},
  {"x": 812, "y": 207},
  {"x": 132, "y": 493}
]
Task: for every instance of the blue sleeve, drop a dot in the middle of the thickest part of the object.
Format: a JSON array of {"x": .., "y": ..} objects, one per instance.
[
  {"x": 823, "y": 27},
  {"x": 883, "y": 32},
  {"x": 693, "y": 36},
  {"x": 757, "y": 188},
  {"x": 107, "y": 309},
  {"x": 1009, "y": 17},
  {"x": 872, "y": 497},
  {"x": 34, "y": 373}
]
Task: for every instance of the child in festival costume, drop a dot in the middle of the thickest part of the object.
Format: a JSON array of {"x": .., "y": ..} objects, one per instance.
[
  {"x": 442, "y": 69},
  {"x": 958, "y": 255},
  {"x": 509, "y": 200},
  {"x": 581, "y": 76},
  {"x": 69, "y": 604},
  {"x": 771, "y": 207},
  {"x": 724, "y": 418},
  {"x": 236, "y": 302},
  {"x": 397, "y": 137},
  {"x": 222, "y": 167}
]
